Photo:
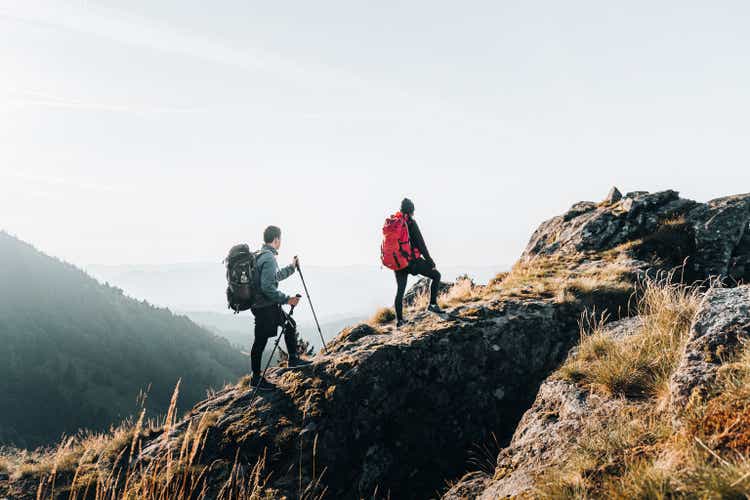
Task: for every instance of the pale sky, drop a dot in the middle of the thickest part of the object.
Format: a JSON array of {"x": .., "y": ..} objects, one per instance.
[{"x": 155, "y": 132}]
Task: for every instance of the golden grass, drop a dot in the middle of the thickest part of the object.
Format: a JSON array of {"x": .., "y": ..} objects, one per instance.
[
  {"x": 104, "y": 466},
  {"x": 564, "y": 278},
  {"x": 461, "y": 292},
  {"x": 421, "y": 301},
  {"x": 383, "y": 315},
  {"x": 636, "y": 449},
  {"x": 639, "y": 365}
]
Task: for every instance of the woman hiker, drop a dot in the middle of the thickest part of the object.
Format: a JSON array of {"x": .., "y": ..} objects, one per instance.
[{"x": 420, "y": 263}]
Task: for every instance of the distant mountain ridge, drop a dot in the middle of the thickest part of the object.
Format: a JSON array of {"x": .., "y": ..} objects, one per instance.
[
  {"x": 75, "y": 353},
  {"x": 338, "y": 293}
]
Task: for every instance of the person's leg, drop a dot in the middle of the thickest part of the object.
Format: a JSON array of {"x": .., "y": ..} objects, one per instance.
[
  {"x": 265, "y": 327},
  {"x": 434, "y": 275},
  {"x": 401, "y": 278},
  {"x": 421, "y": 267}
]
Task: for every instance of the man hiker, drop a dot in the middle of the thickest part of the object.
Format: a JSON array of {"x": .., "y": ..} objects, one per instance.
[
  {"x": 267, "y": 309},
  {"x": 420, "y": 262}
]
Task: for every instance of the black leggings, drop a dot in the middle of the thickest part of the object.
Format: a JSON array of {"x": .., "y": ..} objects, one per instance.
[
  {"x": 418, "y": 266},
  {"x": 267, "y": 322}
]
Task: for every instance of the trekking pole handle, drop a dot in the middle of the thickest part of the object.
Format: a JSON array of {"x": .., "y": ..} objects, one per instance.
[{"x": 299, "y": 296}]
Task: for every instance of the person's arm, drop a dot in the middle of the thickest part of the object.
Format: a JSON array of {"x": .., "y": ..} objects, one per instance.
[
  {"x": 269, "y": 284},
  {"x": 418, "y": 241},
  {"x": 284, "y": 272}
]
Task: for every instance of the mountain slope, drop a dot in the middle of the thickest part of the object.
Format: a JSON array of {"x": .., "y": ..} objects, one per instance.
[{"x": 75, "y": 354}]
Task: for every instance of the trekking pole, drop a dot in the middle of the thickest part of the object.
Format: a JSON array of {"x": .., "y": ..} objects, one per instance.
[
  {"x": 315, "y": 316},
  {"x": 275, "y": 346}
]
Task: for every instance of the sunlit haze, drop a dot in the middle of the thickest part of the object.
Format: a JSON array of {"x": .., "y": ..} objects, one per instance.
[{"x": 147, "y": 132}]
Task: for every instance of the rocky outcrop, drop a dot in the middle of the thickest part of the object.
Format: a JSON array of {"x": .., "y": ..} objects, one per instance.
[
  {"x": 721, "y": 325},
  {"x": 551, "y": 428},
  {"x": 713, "y": 234},
  {"x": 396, "y": 411},
  {"x": 588, "y": 227},
  {"x": 720, "y": 226},
  {"x": 660, "y": 228}
]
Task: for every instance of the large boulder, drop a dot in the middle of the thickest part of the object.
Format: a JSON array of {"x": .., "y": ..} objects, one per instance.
[
  {"x": 719, "y": 328},
  {"x": 590, "y": 227},
  {"x": 721, "y": 227}
]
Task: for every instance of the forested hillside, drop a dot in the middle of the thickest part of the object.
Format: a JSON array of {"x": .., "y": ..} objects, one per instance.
[{"x": 75, "y": 353}]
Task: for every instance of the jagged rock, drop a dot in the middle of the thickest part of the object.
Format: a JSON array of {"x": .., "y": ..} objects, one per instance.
[
  {"x": 613, "y": 196},
  {"x": 720, "y": 226},
  {"x": 739, "y": 265},
  {"x": 594, "y": 229},
  {"x": 722, "y": 322},
  {"x": 717, "y": 231}
]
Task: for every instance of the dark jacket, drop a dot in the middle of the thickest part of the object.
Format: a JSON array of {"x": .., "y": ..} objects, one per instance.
[
  {"x": 417, "y": 240},
  {"x": 269, "y": 276}
]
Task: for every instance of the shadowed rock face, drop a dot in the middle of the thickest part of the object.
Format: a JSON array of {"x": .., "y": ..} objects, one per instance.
[
  {"x": 400, "y": 411},
  {"x": 544, "y": 437}
]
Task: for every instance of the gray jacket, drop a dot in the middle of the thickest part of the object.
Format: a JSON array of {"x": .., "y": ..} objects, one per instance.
[{"x": 269, "y": 276}]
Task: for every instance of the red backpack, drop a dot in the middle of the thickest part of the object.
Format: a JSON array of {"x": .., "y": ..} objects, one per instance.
[{"x": 396, "y": 251}]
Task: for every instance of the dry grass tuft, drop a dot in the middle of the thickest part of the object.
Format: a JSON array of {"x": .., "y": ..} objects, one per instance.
[
  {"x": 537, "y": 277},
  {"x": 639, "y": 365},
  {"x": 461, "y": 292},
  {"x": 383, "y": 315}
]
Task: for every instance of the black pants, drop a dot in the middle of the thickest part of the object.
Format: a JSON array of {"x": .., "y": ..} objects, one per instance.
[
  {"x": 418, "y": 266},
  {"x": 267, "y": 322}
]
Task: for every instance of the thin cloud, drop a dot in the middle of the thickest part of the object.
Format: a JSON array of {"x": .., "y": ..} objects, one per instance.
[
  {"x": 139, "y": 32},
  {"x": 42, "y": 185},
  {"x": 35, "y": 98}
]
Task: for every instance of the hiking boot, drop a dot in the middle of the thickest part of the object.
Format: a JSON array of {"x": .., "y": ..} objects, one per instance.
[
  {"x": 297, "y": 362},
  {"x": 261, "y": 383},
  {"x": 402, "y": 322},
  {"x": 435, "y": 308}
]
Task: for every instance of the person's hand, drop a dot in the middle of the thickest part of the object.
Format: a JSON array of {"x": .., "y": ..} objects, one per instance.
[
  {"x": 295, "y": 262},
  {"x": 293, "y": 301}
]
